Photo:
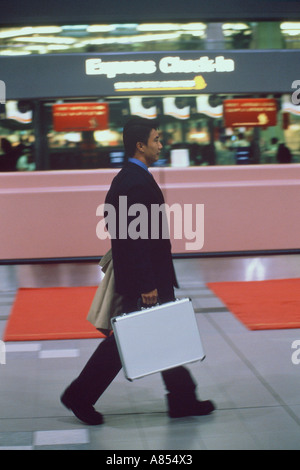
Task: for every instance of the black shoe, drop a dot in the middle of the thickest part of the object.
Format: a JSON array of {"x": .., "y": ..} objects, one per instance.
[
  {"x": 193, "y": 408},
  {"x": 85, "y": 413}
]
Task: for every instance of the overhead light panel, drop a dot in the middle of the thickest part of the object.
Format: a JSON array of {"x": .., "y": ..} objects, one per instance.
[
  {"x": 77, "y": 27},
  {"x": 100, "y": 28},
  {"x": 13, "y": 52},
  {"x": 290, "y": 28},
  {"x": 235, "y": 26},
  {"x": 158, "y": 27},
  {"x": 28, "y": 30},
  {"x": 193, "y": 27},
  {"x": 46, "y": 40}
]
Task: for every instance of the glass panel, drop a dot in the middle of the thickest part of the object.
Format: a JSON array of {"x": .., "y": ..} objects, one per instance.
[
  {"x": 17, "y": 136},
  {"x": 192, "y": 129},
  {"x": 192, "y": 133}
]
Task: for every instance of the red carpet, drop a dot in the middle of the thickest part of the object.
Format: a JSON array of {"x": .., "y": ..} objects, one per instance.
[
  {"x": 51, "y": 313},
  {"x": 262, "y": 305}
]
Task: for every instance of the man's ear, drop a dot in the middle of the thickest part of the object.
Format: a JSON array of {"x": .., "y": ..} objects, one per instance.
[{"x": 140, "y": 146}]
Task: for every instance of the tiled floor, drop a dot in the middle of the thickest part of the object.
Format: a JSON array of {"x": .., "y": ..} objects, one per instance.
[{"x": 249, "y": 375}]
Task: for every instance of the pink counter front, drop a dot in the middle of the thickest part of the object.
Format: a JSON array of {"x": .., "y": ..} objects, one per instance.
[{"x": 53, "y": 214}]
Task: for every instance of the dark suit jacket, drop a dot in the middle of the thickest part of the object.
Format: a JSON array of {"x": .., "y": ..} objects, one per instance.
[{"x": 140, "y": 265}]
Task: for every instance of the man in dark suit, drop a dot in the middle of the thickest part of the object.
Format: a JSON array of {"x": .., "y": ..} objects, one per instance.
[{"x": 143, "y": 269}]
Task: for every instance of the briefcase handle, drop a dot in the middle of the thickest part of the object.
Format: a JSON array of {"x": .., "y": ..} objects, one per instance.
[{"x": 141, "y": 306}]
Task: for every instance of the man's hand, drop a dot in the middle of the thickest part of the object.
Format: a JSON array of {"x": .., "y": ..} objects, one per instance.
[{"x": 150, "y": 298}]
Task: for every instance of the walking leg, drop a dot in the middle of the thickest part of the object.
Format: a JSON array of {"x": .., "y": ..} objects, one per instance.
[
  {"x": 182, "y": 400},
  {"x": 96, "y": 376}
]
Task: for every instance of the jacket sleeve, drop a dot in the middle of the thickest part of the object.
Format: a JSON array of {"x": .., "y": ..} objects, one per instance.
[{"x": 137, "y": 248}]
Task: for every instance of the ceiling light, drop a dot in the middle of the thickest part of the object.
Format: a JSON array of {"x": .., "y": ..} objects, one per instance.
[
  {"x": 235, "y": 26},
  {"x": 46, "y": 39},
  {"x": 193, "y": 27},
  {"x": 12, "y": 52},
  {"x": 77, "y": 27},
  {"x": 100, "y": 28},
  {"x": 290, "y": 25},
  {"x": 36, "y": 48},
  {"x": 133, "y": 39},
  {"x": 158, "y": 27},
  {"x": 58, "y": 47},
  {"x": 10, "y": 33},
  {"x": 290, "y": 28}
]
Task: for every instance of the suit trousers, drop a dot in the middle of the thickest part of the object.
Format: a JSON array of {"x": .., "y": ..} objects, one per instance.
[{"x": 105, "y": 364}]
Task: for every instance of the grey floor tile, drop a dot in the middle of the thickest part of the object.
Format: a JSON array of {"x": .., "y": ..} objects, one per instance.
[
  {"x": 119, "y": 432},
  {"x": 161, "y": 432},
  {"x": 266, "y": 419},
  {"x": 230, "y": 441},
  {"x": 18, "y": 438},
  {"x": 73, "y": 447},
  {"x": 277, "y": 440},
  {"x": 13, "y": 448},
  {"x": 5, "y": 309}
]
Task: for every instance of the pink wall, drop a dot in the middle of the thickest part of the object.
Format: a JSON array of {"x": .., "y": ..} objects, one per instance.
[{"x": 53, "y": 214}]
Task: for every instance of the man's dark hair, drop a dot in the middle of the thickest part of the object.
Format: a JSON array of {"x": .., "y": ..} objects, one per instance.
[{"x": 137, "y": 130}]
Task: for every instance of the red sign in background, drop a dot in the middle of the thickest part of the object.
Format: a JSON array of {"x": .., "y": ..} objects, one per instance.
[
  {"x": 260, "y": 112},
  {"x": 80, "y": 117}
]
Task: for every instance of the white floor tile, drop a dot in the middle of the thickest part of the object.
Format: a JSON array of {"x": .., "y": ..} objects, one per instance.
[
  {"x": 58, "y": 353},
  {"x": 62, "y": 437},
  {"x": 22, "y": 347}
]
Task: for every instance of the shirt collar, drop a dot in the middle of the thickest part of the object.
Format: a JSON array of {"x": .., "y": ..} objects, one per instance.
[{"x": 138, "y": 162}]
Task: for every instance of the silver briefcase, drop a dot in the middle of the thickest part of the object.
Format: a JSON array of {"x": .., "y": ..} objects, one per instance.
[{"x": 157, "y": 338}]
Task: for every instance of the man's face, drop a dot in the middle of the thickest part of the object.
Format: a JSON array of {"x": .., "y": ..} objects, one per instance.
[{"x": 152, "y": 148}]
